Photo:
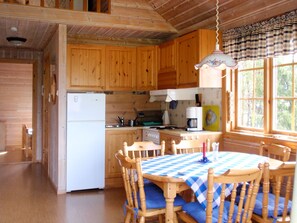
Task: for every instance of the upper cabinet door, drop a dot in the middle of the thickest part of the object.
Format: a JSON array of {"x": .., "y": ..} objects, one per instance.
[
  {"x": 146, "y": 68},
  {"x": 207, "y": 42},
  {"x": 167, "y": 65},
  {"x": 86, "y": 67},
  {"x": 191, "y": 49},
  {"x": 120, "y": 68},
  {"x": 187, "y": 57},
  {"x": 167, "y": 57}
]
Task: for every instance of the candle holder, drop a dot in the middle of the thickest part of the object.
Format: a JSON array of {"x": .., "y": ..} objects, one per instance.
[{"x": 204, "y": 160}]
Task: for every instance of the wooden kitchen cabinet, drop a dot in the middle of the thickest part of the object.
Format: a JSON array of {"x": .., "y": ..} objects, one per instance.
[
  {"x": 187, "y": 56},
  {"x": 191, "y": 49},
  {"x": 120, "y": 68},
  {"x": 114, "y": 140},
  {"x": 146, "y": 68},
  {"x": 85, "y": 67},
  {"x": 210, "y": 77},
  {"x": 167, "y": 57},
  {"x": 167, "y": 65}
]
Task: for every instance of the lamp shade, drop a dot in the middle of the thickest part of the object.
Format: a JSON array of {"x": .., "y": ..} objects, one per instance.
[{"x": 217, "y": 60}]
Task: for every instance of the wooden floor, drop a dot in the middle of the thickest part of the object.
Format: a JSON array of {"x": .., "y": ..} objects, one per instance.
[
  {"x": 14, "y": 156},
  {"x": 26, "y": 195}
]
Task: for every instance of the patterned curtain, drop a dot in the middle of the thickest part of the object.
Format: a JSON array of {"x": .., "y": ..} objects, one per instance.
[{"x": 270, "y": 38}]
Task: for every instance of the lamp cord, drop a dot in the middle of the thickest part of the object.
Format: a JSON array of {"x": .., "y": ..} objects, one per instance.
[{"x": 217, "y": 22}]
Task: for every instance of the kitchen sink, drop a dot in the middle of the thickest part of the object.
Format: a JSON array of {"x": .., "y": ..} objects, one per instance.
[{"x": 113, "y": 126}]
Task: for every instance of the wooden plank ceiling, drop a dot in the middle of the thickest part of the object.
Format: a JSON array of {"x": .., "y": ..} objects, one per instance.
[{"x": 136, "y": 22}]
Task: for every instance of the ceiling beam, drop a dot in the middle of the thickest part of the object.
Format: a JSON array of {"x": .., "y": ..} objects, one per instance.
[
  {"x": 137, "y": 19},
  {"x": 85, "y": 39}
]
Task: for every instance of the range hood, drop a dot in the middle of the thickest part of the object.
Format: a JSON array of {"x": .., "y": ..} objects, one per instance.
[{"x": 168, "y": 95}]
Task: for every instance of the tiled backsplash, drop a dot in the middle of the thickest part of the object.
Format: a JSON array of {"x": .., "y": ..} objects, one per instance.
[{"x": 210, "y": 96}]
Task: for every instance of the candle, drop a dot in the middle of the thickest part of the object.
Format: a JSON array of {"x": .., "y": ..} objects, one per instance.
[{"x": 204, "y": 149}]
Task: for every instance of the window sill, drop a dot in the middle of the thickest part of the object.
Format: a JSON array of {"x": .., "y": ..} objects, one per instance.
[{"x": 261, "y": 136}]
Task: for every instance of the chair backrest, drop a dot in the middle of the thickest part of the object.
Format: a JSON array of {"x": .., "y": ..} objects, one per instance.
[
  {"x": 275, "y": 151},
  {"x": 248, "y": 180},
  {"x": 144, "y": 150},
  {"x": 186, "y": 146},
  {"x": 281, "y": 182},
  {"x": 133, "y": 181}
]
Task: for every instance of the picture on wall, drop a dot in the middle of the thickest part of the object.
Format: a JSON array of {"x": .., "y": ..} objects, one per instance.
[{"x": 211, "y": 117}]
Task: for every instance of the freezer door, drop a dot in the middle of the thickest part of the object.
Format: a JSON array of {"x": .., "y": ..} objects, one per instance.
[
  {"x": 85, "y": 106},
  {"x": 85, "y": 155}
]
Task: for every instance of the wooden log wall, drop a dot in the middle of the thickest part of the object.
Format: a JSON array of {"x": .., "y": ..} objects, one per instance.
[
  {"x": 16, "y": 87},
  {"x": 251, "y": 144},
  {"x": 123, "y": 104}
]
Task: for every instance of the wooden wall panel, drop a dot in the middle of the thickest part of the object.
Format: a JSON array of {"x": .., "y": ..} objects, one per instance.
[
  {"x": 251, "y": 144},
  {"x": 123, "y": 104},
  {"x": 2, "y": 136},
  {"x": 241, "y": 146},
  {"x": 16, "y": 84}
]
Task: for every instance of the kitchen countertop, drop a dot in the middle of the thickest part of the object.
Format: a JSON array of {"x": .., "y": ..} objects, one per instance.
[
  {"x": 181, "y": 132},
  {"x": 125, "y": 128},
  {"x": 178, "y": 131}
]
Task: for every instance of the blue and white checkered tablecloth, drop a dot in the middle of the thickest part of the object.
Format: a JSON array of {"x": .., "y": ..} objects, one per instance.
[{"x": 194, "y": 173}]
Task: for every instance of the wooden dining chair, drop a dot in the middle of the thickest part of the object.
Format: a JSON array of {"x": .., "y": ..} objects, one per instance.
[
  {"x": 144, "y": 149},
  {"x": 186, "y": 146},
  {"x": 275, "y": 205},
  {"x": 227, "y": 210},
  {"x": 143, "y": 200},
  {"x": 275, "y": 151}
]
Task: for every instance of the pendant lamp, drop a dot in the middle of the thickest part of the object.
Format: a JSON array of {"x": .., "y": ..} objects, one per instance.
[{"x": 217, "y": 60}]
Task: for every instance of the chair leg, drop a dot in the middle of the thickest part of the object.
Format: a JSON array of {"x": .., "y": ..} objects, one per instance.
[
  {"x": 175, "y": 218},
  {"x": 160, "y": 218},
  {"x": 142, "y": 219},
  {"x": 128, "y": 217}
]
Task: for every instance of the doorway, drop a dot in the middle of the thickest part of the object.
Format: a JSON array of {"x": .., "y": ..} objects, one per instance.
[{"x": 16, "y": 103}]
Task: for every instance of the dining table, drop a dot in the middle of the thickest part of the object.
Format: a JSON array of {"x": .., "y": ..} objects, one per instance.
[{"x": 177, "y": 173}]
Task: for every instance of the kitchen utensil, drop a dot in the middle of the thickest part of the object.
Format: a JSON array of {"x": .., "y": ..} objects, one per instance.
[
  {"x": 165, "y": 118},
  {"x": 131, "y": 122},
  {"x": 121, "y": 120}
]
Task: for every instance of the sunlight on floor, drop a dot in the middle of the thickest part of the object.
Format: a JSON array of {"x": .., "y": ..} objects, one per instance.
[
  {"x": 3, "y": 153},
  {"x": 14, "y": 156}
]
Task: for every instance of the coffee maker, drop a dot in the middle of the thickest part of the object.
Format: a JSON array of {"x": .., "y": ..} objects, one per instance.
[{"x": 194, "y": 119}]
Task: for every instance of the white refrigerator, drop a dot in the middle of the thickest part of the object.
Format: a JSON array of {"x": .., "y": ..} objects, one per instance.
[{"x": 85, "y": 141}]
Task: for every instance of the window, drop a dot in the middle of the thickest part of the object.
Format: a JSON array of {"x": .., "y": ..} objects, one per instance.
[
  {"x": 250, "y": 94},
  {"x": 253, "y": 79},
  {"x": 285, "y": 93}
]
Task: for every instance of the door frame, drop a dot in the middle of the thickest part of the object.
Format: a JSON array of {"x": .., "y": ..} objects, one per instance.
[{"x": 35, "y": 136}]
